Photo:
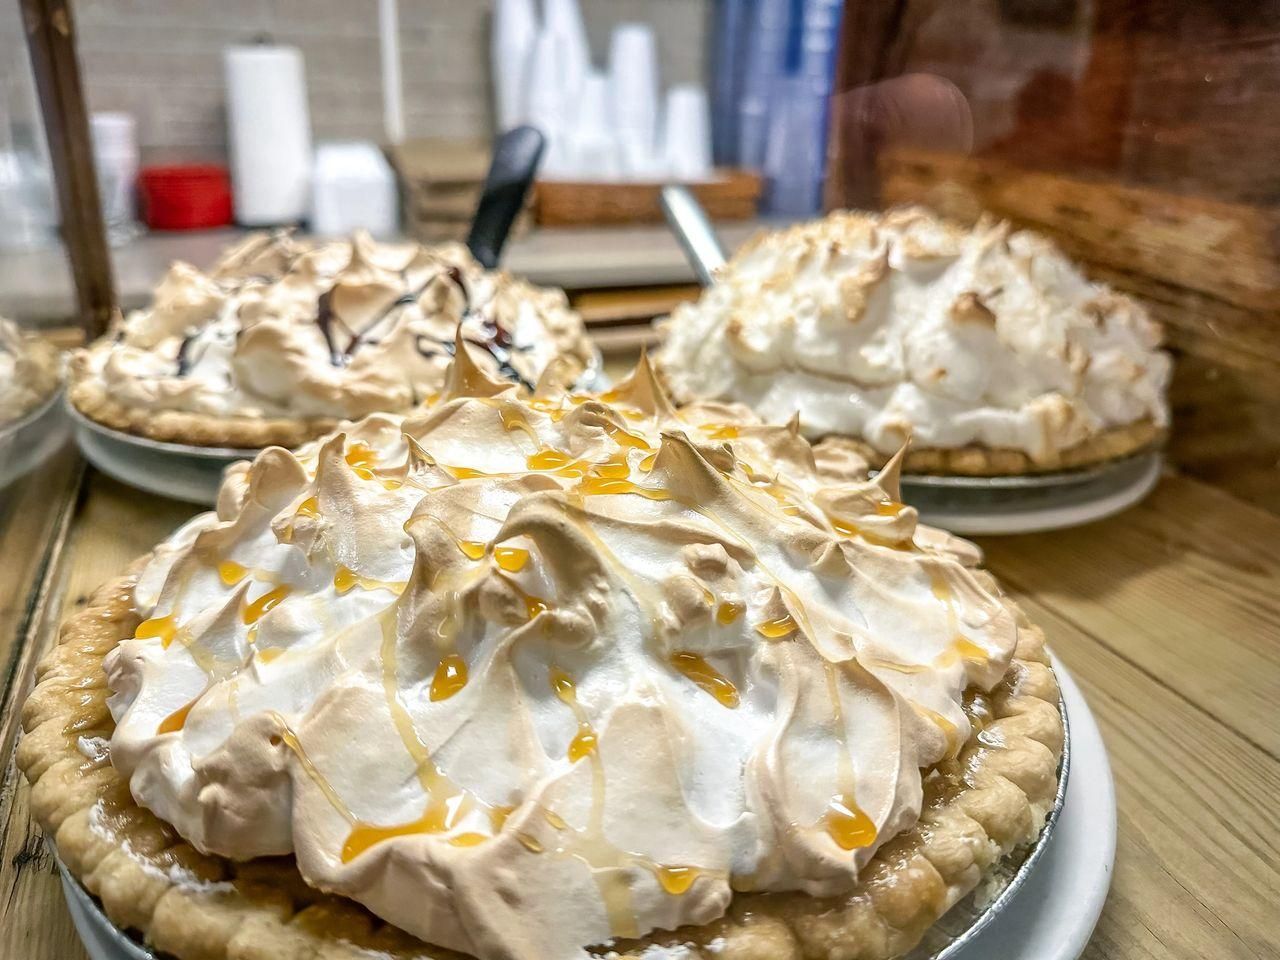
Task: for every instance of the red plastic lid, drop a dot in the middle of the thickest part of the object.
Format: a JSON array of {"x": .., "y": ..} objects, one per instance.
[{"x": 185, "y": 196}]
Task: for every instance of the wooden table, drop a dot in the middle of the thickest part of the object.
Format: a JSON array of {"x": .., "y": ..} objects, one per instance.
[{"x": 1169, "y": 617}]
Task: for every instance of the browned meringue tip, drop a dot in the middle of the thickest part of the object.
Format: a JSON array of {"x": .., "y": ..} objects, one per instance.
[
  {"x": 642, "y": 389},
  {"x": 889, "y": 478},
  {"x": 556, "y": 380},
  {"x": 466, "y": 378}
]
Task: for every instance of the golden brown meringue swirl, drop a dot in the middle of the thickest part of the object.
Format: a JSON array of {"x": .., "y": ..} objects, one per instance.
[
  {"x": 900, "y": 325},
  {"x": 281, "y": 327},
  {"x": 524, "y": 675}
]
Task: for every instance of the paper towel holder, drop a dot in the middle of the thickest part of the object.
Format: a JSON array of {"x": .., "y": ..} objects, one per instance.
[{"x": 514, "y": 164}]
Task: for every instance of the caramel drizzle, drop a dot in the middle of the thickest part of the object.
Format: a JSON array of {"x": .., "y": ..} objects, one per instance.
[
  {"x": 720, "y": 431},
  {"x": 510, "y": 559},
  {"x": 178, "y": 719},
  {"x": 290, "y": 740},
  {"x": 728, "y": 612},
  {"x": 345, "y": 580},
  {"x": 845, "y": 822},
  {"x": 949, "y": 730},
  {"x": 601, "y": 857},
  {"x": 231, "y": 573},
  {"x": 605, "y": 860},
  {"x": 362, "y": 460},
  {"x": 251, "y": 613},
  {"x": 165, "y": 628},
  {"x": 450, "y": 677},
  {"x": 707, "y": 678},
  {"x": 584, "y": 741},
  {"x": 962, "y": 648},
  {"x": 850, "y": 529},
  {"x": 447, "y": 804}
]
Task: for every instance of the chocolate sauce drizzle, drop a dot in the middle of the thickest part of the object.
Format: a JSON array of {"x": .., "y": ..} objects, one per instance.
[
  {"x": 494, "y": 339},
  {"x": 496, "y": 342},
  {"x": 184, "y": 354}
]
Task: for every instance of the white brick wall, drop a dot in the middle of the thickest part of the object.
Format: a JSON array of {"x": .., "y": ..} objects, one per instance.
[{"x": 161, "y": 60}]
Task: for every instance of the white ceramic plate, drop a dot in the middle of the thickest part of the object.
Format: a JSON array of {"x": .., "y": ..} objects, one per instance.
[
  {"x": 176, "y": 470},
  {"x": 1031, "y": 504},
  {"x": 1050, "y": 916}
]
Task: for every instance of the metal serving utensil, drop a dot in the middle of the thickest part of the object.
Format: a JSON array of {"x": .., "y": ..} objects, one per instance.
[{"x": 688, "y": 221}]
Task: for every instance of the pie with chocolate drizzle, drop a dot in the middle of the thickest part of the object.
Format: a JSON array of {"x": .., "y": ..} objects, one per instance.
[
  {"x": 284, "y": 338},
  {"x": 545, "y": 676},
  {"x": 985, "y": 346}
]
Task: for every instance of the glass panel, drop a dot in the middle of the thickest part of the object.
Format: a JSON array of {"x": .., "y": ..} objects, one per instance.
[{"x": 38, "y": 466}]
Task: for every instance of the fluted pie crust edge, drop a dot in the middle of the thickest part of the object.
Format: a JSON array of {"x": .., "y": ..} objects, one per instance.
[
  {"x": 196, "y": 429},
  {"x": 985, "y": 803}
]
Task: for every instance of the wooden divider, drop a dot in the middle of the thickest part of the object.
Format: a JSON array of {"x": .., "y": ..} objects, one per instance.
[{"x": 1208, "y": 269}]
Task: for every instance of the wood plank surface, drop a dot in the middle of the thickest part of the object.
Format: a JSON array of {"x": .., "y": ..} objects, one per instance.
[
  {"x": 114, "y": 524},
  {"x": 1168, "y": 616}
]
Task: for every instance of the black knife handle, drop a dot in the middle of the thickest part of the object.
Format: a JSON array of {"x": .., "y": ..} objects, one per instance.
[{"x": 514, "y": 164}]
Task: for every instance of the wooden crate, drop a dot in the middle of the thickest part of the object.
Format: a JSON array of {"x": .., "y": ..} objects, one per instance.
[
  {"x": 440, "y": 185},
  {"x": 733, "y": 195}
]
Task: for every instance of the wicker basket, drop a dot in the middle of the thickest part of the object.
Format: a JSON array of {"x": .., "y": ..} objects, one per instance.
[{"x": 732, "y": 195}]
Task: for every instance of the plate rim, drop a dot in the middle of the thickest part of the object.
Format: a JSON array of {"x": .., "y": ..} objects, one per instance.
[
  {"x": 1058, "y": 478},
  {"x": 160, "y": 446}
]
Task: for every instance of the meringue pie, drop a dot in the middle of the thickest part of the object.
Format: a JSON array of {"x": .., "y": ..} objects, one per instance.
[
  {"x": 986, "y": 347},
  {"x": 285, "y": 338},
  {"x": 547, "y": 677},
  {"x": 29, "y": 372}
]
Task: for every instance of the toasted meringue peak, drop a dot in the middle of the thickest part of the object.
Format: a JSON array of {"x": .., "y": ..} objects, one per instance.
[
  {"x": 466, "y": 378},
  {"x": 882, "y": 326},
  {"x": 286, "y": 328},
  {"x": 29, "y": 371},
  {"x": 889, "y": 477},
  {"x": 641, "y": 390},
  {"x": 527, "y": 674}
]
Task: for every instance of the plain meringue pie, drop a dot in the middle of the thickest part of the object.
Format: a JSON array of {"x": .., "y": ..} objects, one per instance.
[
  {"x": 545, "y": 676},
  {"x": 29, "y": 372},
  {"x": 984, "y": 346},
  {"x": 285, "y": 338}
]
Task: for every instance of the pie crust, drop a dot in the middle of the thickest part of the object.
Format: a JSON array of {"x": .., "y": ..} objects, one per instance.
[
  {"x": 978, "y": 461},
  {"x": 196, "y": 429},
  {"x": 979, "y": 807}
]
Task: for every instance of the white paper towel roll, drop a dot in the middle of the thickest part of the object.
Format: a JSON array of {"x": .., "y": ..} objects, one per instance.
[{"x": 269, "y": 130}]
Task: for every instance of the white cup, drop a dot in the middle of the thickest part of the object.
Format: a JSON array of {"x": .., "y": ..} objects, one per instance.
[
  {"x": 633, "y": 95},
  {"x": 115, "y": 156},
  {"x": 595, "y": 148},
  {"x": 515, "y": 30},
  {"x": 547, "y": 105},
  {"x": 564, "y": 19},
  {"x": 686, "y": 134}
]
